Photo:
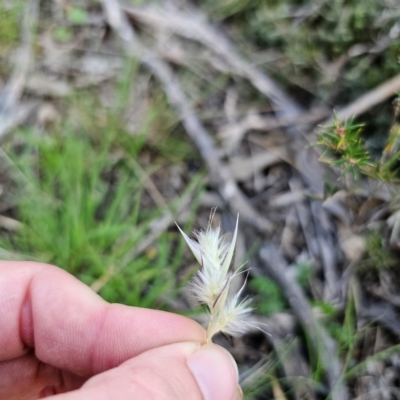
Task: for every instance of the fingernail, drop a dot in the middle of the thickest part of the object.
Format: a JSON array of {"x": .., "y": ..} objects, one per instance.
[{"x": 215, "y": 371}]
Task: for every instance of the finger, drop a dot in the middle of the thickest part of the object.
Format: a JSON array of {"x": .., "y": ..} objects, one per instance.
[
  {"x": 28, "y": 378},
  {"x": 72, "y": 328},
  {"x": 175, "y": 372}
]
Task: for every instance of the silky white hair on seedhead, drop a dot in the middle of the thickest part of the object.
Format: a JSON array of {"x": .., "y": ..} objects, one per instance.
[{"x": 211, "y": 284}]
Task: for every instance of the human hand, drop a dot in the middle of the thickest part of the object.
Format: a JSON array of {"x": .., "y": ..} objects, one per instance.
[{"x": 60, "y": 339}]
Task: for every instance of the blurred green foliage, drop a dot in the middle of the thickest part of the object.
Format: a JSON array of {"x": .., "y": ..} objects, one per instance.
[
  {"x": 319, "y": 49},
  {"x": 270, "y": 299},
  {"x": 76, "y": 15},
  {"x": 62, "y": 34},
  {"x": 10, "y": 13}
]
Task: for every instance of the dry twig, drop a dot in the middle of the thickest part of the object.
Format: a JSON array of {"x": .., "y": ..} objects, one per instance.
[
  {"x": 234, "y": 132},
  {"x": 219, "y": 173},
  {"x": 194, "y": 26},
  {"x": 368, "y": 100},
  {"x": 319, "y": 339},
  {"x": 11, "y": 114}
]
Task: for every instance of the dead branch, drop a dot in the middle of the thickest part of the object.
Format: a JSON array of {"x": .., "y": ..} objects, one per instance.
[
  {"x": 24, "y": 62},
  {"x": 19, "y": 114},
  {"x": 243, "y": 168},
  {"x": 219, "y": 173},
  {"x": 11, "y": 114},
  {"x": 194, "y": 26},
  {"x": 368, "y": 100},
  {"x": 233, "y": 133},
  {"x": 319, "y": 339}
]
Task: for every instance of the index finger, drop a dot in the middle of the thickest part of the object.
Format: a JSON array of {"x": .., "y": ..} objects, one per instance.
[{"x": 72, "y": 328}]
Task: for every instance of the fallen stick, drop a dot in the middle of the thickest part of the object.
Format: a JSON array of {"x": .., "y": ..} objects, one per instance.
[
  {"x": 218, "y": 172},
  {"x": 233, "y": 133},
  {"x": 195, "y": 27},
  {"x": 322, "y": 344},
  {"x": 11, "y": 113},
  {"x": 367, "y": 100},
  {"x": 15, "y": 86}
]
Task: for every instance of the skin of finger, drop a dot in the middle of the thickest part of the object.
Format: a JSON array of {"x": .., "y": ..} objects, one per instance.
[
  {"x": 161, "y": 374},
  {"x": 18, "y": 383},
  {"x": 71, "y": 327},
  {"x": 26, "y": 378}
]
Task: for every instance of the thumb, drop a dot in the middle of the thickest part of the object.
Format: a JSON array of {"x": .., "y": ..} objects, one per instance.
[{"x": 178, "y": 371}]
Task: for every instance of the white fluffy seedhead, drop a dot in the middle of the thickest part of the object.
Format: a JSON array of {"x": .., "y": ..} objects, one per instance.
[{"x": 211, "y": 284}]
